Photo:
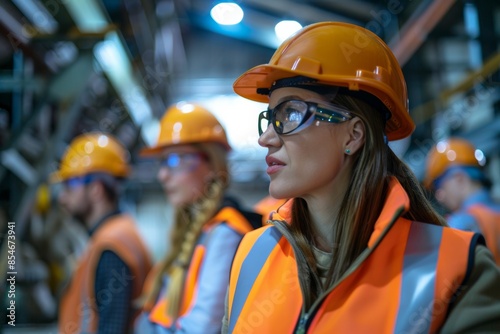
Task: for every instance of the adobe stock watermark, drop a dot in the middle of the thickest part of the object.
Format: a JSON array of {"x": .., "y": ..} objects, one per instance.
[
  {"x": 11, "y": 273},
  {"x": 381, "y": 20},
  {"x": 459, "y": 112},
  {"x": 420, "y": 320},
  {"x": 263, "y": 309}
]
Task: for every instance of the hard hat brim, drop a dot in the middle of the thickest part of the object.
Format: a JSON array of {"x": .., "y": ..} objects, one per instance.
[
  {"x": 399, "y": 126},
  {"x": 154, "y": 151}
]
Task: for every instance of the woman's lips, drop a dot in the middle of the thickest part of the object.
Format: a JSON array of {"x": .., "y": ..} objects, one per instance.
[{"x": 274, "y": 165}]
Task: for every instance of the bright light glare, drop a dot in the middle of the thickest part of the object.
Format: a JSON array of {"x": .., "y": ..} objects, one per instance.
[
  {"x": 286, "y": 28},
  {"x": 481, "y": 159},
  {"x": 185, "y": 107},
  {"x": 150, "y": 130},
  {"x": 227, "y": 13},
  {"x": 102, "y": 141},
  {"x": 113, "y": 59},
  {"x": 239, "y": 118},
  {"x": 87, "y": 15}
]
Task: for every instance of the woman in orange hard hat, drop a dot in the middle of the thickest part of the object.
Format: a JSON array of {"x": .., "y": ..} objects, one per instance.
[
  {"x": 360, "y": 250},
  {"x": 111, "y": 272},
  {"x": 454, "y": 172},
  {"x": 185, "y": 291}
]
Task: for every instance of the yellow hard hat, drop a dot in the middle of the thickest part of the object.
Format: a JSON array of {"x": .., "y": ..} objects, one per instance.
[
  {"x": 93, "y": 153},
  {"x": 448, "y": 153},
  {"x": 188, "y": 123},
  {"x": 337, "y": 54}
]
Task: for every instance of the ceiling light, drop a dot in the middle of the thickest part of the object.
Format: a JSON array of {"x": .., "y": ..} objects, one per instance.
[
  {"x": 286, "y": 28},
  {"x": 227, "y": 13}
]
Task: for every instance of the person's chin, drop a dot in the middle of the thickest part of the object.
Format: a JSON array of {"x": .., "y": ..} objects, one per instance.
[{"x": 278, "y": 191}]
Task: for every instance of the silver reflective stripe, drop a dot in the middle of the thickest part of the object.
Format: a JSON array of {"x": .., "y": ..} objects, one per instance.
[
  {"x": 418, "y": 279},
  {"x": 250, "y": 269},
  {"x": 87, "y": 314}
]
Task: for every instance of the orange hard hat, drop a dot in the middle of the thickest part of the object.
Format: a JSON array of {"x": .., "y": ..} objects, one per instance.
[
  {"x": 337, "y": 54},
  {"x": 188, "y": 123},
  {"x": 448, "y": 153},
  {"x": 93, "y": 152}
]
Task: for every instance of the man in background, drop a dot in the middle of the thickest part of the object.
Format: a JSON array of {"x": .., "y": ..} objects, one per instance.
[
  {"x": 110, "y": 273},
  {"x": 454, "y": 172}
]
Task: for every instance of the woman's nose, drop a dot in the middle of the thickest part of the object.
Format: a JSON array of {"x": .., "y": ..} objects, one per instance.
[{"x": 269, "y": 137}]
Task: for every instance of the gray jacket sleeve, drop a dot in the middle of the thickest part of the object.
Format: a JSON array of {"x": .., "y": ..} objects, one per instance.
[
  {"x": 477, "y": 307},
  {"x": 225, "y": 320}
]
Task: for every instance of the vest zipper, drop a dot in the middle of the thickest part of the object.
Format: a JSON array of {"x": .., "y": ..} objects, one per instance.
[{"x": 301, "y": 329}]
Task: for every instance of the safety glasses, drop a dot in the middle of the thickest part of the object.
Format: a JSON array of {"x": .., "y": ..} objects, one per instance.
[
  {"x": 296, "y": 115},
  {"x": 472, "y": 172},
  {"x": 183, "y": 161},
  {"x": 78, "y": 181}
]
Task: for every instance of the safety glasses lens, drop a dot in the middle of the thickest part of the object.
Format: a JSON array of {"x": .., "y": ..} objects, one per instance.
[
  {"x": 76, "y": 182},
  {"x": 285, "y": 117},
  {"x": 184, "y": 161},
  {"x": 289, "y": 115}
]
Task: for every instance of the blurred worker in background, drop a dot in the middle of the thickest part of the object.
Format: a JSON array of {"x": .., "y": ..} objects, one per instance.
[
  {"x": 111, "y": 272},
  {"x": 267, "y": 206},
  {"x": 361, "y": 250},
  {"x": 185, "y": 291},
  {"x": 454, "y": 172}
]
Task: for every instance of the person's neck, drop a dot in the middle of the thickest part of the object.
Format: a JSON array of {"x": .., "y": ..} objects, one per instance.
[
  {"x": 324, "y": 209},
  {"x": 98, "y": 211}
]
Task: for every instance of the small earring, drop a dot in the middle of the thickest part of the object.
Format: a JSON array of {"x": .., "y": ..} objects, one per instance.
[
  {"x": 317, "y": 123},
  {"x": 347, "y": 151}
]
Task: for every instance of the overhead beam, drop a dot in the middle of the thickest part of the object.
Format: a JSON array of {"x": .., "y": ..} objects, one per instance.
[
  {"x": 425, "y": 111},
  {"x": 415, "y": 31}
]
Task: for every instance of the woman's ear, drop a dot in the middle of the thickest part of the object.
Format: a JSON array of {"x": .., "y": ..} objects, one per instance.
[{"x": 356, "y": 136}]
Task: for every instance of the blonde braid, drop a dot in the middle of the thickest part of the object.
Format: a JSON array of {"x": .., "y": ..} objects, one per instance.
[{"x": 205, "y": 209}]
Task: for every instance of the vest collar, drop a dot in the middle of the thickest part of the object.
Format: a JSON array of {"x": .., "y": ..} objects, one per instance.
[{"x": 396, "y": 203}]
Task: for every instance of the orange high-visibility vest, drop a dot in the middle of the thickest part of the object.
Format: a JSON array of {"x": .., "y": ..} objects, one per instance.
[
  {"x": 227, "y": 215},
  {"x": 78, "y": 308},
  {"x": 489, "y": 223},
  {"x": 406, "y": 281}
]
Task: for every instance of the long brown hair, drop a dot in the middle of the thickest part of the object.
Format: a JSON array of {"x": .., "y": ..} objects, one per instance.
[
  {"x": 188, "y": 223},
  {"x": 374, "y": 165}
]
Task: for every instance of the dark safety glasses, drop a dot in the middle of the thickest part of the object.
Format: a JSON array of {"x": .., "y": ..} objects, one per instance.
[
  {"x": 295, "y": 115},
  {"x": 183, "y": 161}
]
